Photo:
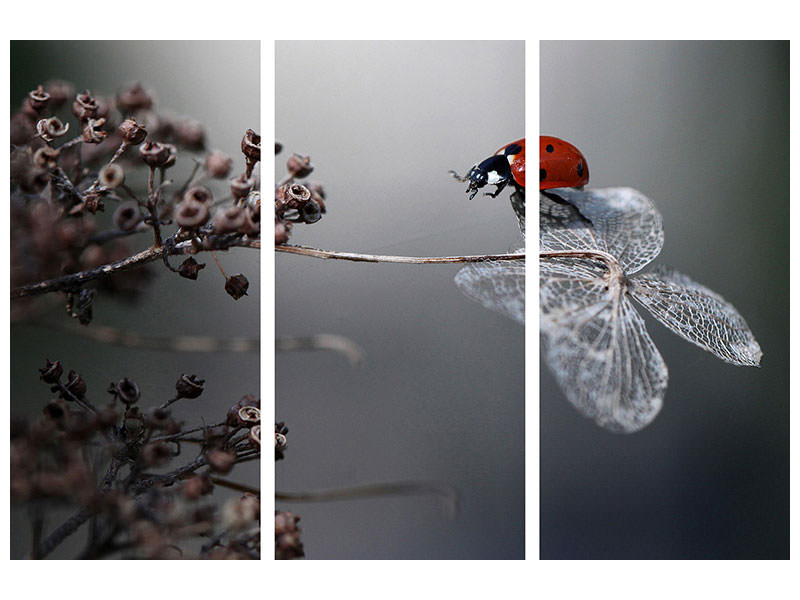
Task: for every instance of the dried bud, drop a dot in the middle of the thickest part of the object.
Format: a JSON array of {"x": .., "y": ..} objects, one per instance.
[
  {"x": 46, "y": 157},
  {"x": 51, "y": 128},
  {"x": 311, "y": 212},
  {"x": 189, "y": 386},
  {"x": 191, "y": 214},
  {"x": 254, "y": 437},
  {"x": 75, "y": 385},
  {"x": 197, "y": 486},
  {"x": 173, "y": 156},
  {"x": 60, "y": 92},
  {"x": 156, "y": 454},
  {"x": 154, "y": 154},
  {"x": 287, "y": 536},
  {"x": 317, "y": 195},
  {"x": 252, "y": 224},
  {"x": 299, "y": 166},
  {"x": 218, "y": 164},
  {"x": 199, "y": 194},
  {"x": 79, "y": 305},
  {"x": 190, "y": 133},
  {"x": 221, "y": 461},
  {"x": 127, "y": 216},
  {"x": 241, "y": 186},
  {"x": 229, "y": 220},
  {"x": 127, "y": 391},
  {"x": 232, "y": 417},
  {"x": 112, "y": 176},
  {"x": 38, "y": 99},
  {"x": 134, "y": 97},
  {"x": 92, "y": 202},
  {"x": 92, "y": 132},
  {"x": 51, "y": 372},
  {"x": 131, "y": 132},
  {"x": 251, "y": 146},
  {"x": 236, "y": 286},
  {"x": 278, "y": 147},
  {"x": 190, "y": 268},
  {"x": 282, "y": 232},
  {"x": 298, "y": 194},
  {"x": 85, "y": 106},
  {"x": 248, "y": 415}
]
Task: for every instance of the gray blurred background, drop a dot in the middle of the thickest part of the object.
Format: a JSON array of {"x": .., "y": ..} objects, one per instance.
[
  {"x": 217, "y": 83},
  {"x": 440, "y": 396},
  {"x": 702, "y": 128}
]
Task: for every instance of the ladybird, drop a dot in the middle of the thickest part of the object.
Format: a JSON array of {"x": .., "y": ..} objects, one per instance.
[
  {"x": 507, "y": 165},
  {"x": 561, "y": 164}
]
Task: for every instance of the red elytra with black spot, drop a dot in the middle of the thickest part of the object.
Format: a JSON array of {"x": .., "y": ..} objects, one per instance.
[
  {"x": 561, "y": 164},
  {"x": 516, "y": 160}
]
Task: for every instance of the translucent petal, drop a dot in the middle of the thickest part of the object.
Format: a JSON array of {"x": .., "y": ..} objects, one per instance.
[
  {"x": 497, "y": 285},
  {"x": 697, "y": 314},
  {"x": 597, "y": 347},
  {"x": 624, "y": 223}
]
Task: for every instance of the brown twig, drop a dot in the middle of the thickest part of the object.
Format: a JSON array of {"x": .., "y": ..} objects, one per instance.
[{"x": 378, "y": 258}]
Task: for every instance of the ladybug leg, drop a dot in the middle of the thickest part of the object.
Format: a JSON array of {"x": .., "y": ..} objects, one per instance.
[
  {"x": 563, "y": 202},
  {"x": 500, "y": 187}
]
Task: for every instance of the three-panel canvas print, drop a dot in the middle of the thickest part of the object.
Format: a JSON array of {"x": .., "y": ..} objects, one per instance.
[{"x": 633, "y": 405}]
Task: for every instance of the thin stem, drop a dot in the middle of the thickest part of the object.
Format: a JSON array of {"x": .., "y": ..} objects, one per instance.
[
  {"x": 152, "y": 205},
  {"x": 239, "y": 487},
  {"x": 377, "y": 258}
]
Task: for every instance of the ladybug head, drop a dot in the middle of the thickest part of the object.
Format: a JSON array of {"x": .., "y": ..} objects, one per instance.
[{"x": 494, "y": 170}]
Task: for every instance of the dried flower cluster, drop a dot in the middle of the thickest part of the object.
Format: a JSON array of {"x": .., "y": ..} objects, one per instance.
[
  {"x": 89, "y": 177},
  {"x": 120, "y": 155},
  {"x": 295, "y": 202},
  {"x": 139, "y": 477}
]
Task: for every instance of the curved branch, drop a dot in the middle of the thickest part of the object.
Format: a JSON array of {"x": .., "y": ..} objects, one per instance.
[{"x": 75, "y": 280}]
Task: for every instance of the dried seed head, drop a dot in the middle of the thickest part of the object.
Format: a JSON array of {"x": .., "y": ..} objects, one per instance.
[
  {"x": 75, "y": 385},
  {"x": 51, "y": 128},
  {"x": 282, "y": 232},
  {"x": 46, "y": 157},
  {"x": 190, "y": 268},
  {"x": 229, "y": 220},
  {"x": 92, "y": 132},
  {"x": 218, "y": 164},
  {"x": 251, "y": 146},
  {"x": 92, "y": 202},
  {"x": 112, "y": 176},
  {"x": 221, "y": 461},
  {"x": 236, "y": 286},
  {"x": 197, "y": 486},
  {"x": 156, "y": 454},
  {"x": 60, "y": 92},
  {"x": 252, "y": 224},
  {"x": 254, "y": 437},
  {"x": 154, "y": 154},
  {"x": 51, "y": 372},
  {"x": 241, "y": 186},
  {"x": 189, "y": 386},
  {"x": 127, "y": 216},
  {"x": 85, "y": 106},
  {"x": 132, "y": 133},
  {"x": 127, "y": 391},
  {"x": 134, "y": 97},
  {"x": 299, "y": 166},
  {"x": 199, "y": 194},
  {"x": 191, "y": 214},
  {"x": 38, "y": 99},
  {"x": 190, "y": 133}
]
